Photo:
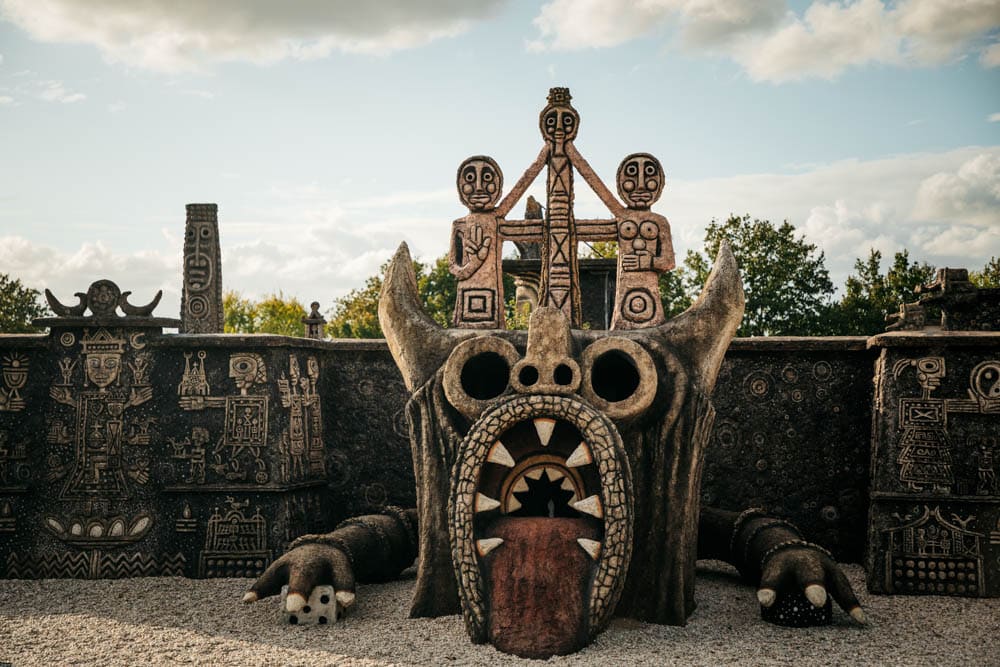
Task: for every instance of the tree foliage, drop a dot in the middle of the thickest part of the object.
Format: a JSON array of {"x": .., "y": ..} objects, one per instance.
[
  {"x": 274, "y": 314},
  {"x": 989, "y": 276},
  {"x": 18, "y": 306},
  {"x": 788, "y": 288},
  {"x": 870, "y": 295}
]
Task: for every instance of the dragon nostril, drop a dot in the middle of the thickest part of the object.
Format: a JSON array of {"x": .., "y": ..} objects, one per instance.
[
  {"x": 528, "y": 376},
  {"x": 563, "y": 375}
]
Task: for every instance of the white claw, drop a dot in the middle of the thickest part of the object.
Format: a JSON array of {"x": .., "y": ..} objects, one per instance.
[
  {"x": 294, "y": 602},
  {"x": 816, "y": 595},
  {"x": 859, "y": 616},
  {"x": 249, "y": 597},
  {"x": 345, "y": 598},
  {"x": 766, "y": 597}
]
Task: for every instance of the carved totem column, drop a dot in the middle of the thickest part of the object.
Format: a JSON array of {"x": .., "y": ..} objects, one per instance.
[{"x": 201, "y": 299}]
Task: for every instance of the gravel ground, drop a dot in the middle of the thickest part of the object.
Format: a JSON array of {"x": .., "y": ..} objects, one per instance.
[{"x": 158, "y": 621}]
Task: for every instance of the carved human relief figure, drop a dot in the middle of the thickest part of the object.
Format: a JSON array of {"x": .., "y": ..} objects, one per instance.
[
  {"x": 474, "y": 256},
  {"x": 645, "y": 249}
]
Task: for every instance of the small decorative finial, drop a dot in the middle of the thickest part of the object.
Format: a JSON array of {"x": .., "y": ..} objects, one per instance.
[{"x": 559, "y": 96}]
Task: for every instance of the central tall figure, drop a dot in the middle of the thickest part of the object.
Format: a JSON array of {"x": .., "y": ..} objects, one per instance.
[{"x": 560, "y": 288}]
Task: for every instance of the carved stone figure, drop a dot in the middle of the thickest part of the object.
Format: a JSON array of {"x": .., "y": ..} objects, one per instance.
[
  {"x": 645, "y": 249},
  {"x": 558, "y": 484},
  {"x": 475, "y": 252}
]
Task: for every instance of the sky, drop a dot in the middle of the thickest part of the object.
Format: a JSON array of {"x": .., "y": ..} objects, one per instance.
[{"x": 328, "y": 131}]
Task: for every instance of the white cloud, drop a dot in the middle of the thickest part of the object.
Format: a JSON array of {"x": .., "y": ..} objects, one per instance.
[
  {"x": 993, "y": 118},
  {"x": 774, "y": 43},
  {"x": 968, "y": 195},
  {"x": 178, "y": 35},
  {"x": 990, "y": 56},
  {"x": 5, "y": 100},
  {"x": 55, "y": 91}
]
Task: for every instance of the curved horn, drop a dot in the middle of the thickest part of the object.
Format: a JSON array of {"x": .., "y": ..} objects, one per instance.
[
  {"x": 703, "y": 332},
  {"x": 418, "y": 344},
  {"x": 139, "y": 311},
  {"x": 66, "y": 311}
]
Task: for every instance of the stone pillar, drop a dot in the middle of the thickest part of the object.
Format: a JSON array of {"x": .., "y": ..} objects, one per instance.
[
  {"x": 201, "y": 299},
  {"x": 314, "y": 322}
]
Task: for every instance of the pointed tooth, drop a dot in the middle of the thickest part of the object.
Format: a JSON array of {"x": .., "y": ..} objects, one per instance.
[
  {"x": 513, "y": 504},
  {"x": 499, "y": 454},
  {"x": 536, "y": 473},
  {"x": 544, "y": 426},
  {"x": 567, "y": 485},
  {"x": 581, "y": 456},
  {"x": 592, "y": 547},
  {"x": 487, "y": 545},
  {"x": 590, "y": 505},
  {"x": 485, "y": 503},
  {"x": 520, "y": 485}
]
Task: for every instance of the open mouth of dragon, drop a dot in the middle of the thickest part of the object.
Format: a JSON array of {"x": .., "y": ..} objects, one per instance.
[{"x": 542, "y": 520}]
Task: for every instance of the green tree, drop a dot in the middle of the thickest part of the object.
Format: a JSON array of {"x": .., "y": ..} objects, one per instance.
[
  {"x": 989, "y": 276},
  {"x": 787, "y": 285},
  {"x": 869, "y": 295},
  {"x": 18, "y": 306},
  {"x": 274, "y": 314}
]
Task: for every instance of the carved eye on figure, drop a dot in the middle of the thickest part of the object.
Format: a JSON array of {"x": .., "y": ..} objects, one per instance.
[
  {"x": 650, "y": 169},
  {"x": 568, "y": 122},
  {"x": 628, "y": 230},
  {"x": 619, "y": 377},
  {"x": 478, "y": 371},
  {"x": 206, "y": 232},
  {"x": 550, "y": 121},
  {"x": 631, "y": 169},
  {"x": 649, "y": 230}
]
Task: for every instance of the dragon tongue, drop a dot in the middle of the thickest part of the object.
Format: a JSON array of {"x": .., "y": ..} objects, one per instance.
[{"x": 538, "y": 585}]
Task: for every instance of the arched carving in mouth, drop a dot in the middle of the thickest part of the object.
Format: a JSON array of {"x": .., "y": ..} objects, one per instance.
[{"x": 541, "y": 524}]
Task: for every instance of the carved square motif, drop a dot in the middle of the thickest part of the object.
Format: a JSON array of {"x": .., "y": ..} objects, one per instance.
[
  {"x": 478, "y": 304},
  {"x": 915, "y": 412},
  {"x": 246, "y": 421}
]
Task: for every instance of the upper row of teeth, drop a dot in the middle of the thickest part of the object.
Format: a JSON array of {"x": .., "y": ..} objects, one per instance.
[{"x": 580, "y": 456}]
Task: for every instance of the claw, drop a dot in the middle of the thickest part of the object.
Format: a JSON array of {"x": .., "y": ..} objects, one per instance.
[
  {"x": 294, "y": 602},
  {"x": 816, "y": 595},
  {"x": 249, "y": 597},
  {"x": 766, "y": 597},
  {"x": 859, "y": 616},
  {"x": 345, "y": 598}
]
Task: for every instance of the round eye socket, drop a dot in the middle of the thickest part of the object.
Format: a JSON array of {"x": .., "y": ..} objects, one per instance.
[
  {"x": 631, "y": 169},
  {"x": 929, "y": 365},
  {"x": 567, "y": 121},
  {"x": 628, "y": 230},
  {"x": 550, "y": 121},
  {"x": 478, "y": 371},
  {"x": 649, "y": 230},
  {"x": 470, "y": 176},
  {"x": 614, "y": 376},
  {"x": 205, "y": 232},
  {"x": 650, "y": 170},
  {"x": 487, "y": 176},
  {"x": 485, "y": 376},
  {"x": 619, "y": 377}
]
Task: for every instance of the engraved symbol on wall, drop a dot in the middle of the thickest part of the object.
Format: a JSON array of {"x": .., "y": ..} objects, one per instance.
[
  {"x": 101, "y": 431},
  {"x": 237, "y": 454},
  {"x": 14, "y": 371},
  {"x": 934, "y": 555},
  {"x": 924, "y": 457},
  {"x": 303, "y": 439},
  {"x": 14, "y": 469},
  {"x": 235, "y": 546}
]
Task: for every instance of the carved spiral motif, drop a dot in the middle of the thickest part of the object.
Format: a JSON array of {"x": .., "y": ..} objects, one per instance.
[
  {"x": 638, "y": 306},
  {"x": 757, "y": 384},
  {"x": 67, "y": 339},
  {"x": 197, "y": 306},
  {"x": 822, "y": 371}
]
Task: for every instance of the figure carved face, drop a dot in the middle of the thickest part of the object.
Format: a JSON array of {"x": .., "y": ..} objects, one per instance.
[
  {"x": 525, "y": 464},
  {"x": 103, "y": 368},
  {"x": 640, "y": 180},
  {"x": 559, "y": 123},
  {"x": 479, "y": 183}
]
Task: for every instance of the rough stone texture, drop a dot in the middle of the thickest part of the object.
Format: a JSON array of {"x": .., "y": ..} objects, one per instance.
[
  {"x": 201, "y": 297},
  {"x": 792, "y": 427},
  {"x": 935, "y": 508}
]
